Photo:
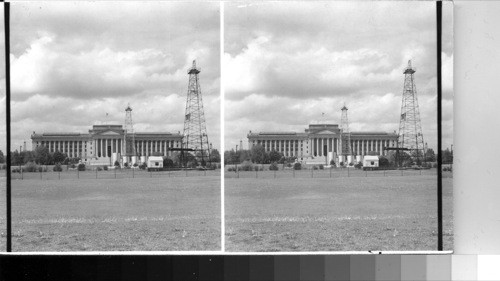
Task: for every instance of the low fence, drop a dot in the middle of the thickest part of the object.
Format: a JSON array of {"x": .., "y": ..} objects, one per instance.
[
  {"x": 111, "y": 174},
  {"x": 326, "y": 173}
]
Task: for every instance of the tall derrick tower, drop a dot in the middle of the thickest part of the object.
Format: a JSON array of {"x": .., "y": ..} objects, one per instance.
[
  {"x": 195, "y": 131},
  {"x": 129, "y": 150},
  {"x": 345, "y": 136},
  {"x": 410, "y": 130}
]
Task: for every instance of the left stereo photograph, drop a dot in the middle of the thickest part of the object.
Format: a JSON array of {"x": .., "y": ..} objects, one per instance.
[{"x": 115, "y": 127}]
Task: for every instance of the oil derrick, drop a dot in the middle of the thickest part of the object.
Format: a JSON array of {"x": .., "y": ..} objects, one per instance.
[
  {"x": 345, "y": 136},
  {"x": 195, "y": 136},
  {"x": 129, "y": 150},
  {"x": 410, "y": 130}
]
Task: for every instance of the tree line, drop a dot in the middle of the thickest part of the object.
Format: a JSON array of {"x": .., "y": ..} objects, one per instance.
[
  {"x": 42, "y": 156},
  {"x": 258, "y": 155}
]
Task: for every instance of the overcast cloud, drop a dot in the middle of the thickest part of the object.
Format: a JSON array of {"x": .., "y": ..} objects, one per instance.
[
  {"x": 286, "y": 63},
  {"x": 71, "y": 63}
]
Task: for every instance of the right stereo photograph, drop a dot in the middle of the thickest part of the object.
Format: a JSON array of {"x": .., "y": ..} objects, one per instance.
[{"x": 335, "y": 115}]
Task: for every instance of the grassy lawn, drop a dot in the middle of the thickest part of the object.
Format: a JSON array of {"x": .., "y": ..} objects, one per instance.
[
  {"x": 123, "y": 214},
  {"x": 335, "y": 214}
]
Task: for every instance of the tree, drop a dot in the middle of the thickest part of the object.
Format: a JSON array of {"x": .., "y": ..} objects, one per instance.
[
  {"x": 27, "y": 156},
  {"x": 58, "y": 157},
  {"x": 430, "y": 155},
  {"x": 275, "y": 156},
  {"x": 258, "y": 154},
  {"x": 214, "y": 156},
  {"x": 383, "y": 162},
  {"x": 447, "y": 156},
  {"x": 168, "y": 163},
  {"x": 42, "y": 156},
  {"x": 189, "y": 160},
  {"x": 16, "y": 160},
  {"x": 231, "y": 157},
  {"x": 244, "y": 155}
]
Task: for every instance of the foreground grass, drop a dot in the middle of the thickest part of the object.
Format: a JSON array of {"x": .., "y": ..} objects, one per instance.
[
  {"x": 160, "y": 214},
  {"x": 341, "y": 214}
]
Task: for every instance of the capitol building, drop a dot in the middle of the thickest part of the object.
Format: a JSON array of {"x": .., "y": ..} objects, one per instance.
[
  {"x": 320, "y": 143},
  {"x": 104, "y": 144}
]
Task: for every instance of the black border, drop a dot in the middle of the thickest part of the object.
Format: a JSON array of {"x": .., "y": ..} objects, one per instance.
[
  {"x": 6, "y": 9},
  {"x": 439, "y": 17}
]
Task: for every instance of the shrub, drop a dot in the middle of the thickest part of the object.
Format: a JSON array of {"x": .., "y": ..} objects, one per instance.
[
  {"x": 42, "y": 169},
  {"x": 246, "y": 166},
  {"x": 136, "y": 165},
  {"x": 231, "y": 169},
  {"x": 332, "y": 162},
  {"x": 297, "y": 166},
  {"x": 117, "y": 164},
  {"x": 168, "y": 163},
  {"x": 16, "y": 170},
  {"x": 57, "y": 168},
  {"x": 99, "y": 168},
  {"x": 81, "y": 167},
  {"x": 255, "y": 168},
  {"x": 105, "y": 168},
  {"x": 321, "y": 167},
  {"x": 143, "y": 166},
  {"x": 72, "y": 166},
  {"x": 315, "y": 167},
  {"x": 125, "y": 165},
  {"x": 358, "y": 165},
  {"x": 273, "y": 167},
  {"x": 30, "y": 167},
  {"x": 341, "y": 164}
]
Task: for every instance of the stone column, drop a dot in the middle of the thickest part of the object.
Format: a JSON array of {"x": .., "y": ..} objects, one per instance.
[{"x": 316, "y": 146}]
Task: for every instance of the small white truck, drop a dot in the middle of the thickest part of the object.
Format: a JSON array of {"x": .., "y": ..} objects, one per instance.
[
  {"x": 155, "y": 163},
  {"x": 370, "y": 162}
]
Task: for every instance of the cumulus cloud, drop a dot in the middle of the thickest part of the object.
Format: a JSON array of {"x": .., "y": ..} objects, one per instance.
[
  {"x": 71, "y": 63},
  {"x": 286, "y": 63}
]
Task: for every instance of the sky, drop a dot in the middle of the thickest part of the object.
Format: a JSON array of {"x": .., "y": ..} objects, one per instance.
[
  {"x": 73, "y": 63},
  {"x": 286, "y": 63}
]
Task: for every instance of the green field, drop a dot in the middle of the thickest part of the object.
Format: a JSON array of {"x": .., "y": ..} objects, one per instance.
[
  {"x": 123, "y": 214},
  {"x": 342, "y": 213}
]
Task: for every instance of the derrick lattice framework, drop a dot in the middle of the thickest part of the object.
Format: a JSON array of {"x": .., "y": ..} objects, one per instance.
[
  {"x": 410, "y": 129},
  {"x": 195, "y": 131},
  {"x": 129, "y": 136},
  {"x": 345, "y": 135}
]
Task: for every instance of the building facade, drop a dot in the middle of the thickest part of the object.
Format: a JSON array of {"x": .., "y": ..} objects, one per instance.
[
  {"x": 104, "y": 142},
  {"x": 320, "y": 141}
]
